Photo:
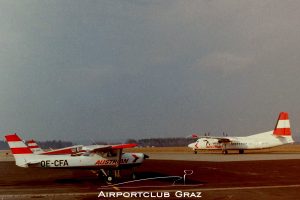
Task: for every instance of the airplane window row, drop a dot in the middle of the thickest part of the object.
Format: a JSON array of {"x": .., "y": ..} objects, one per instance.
[{"x": 238, "y": 143}]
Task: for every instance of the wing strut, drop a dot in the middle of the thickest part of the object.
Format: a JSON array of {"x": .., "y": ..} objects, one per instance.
[{"x": 119, "y": 157}]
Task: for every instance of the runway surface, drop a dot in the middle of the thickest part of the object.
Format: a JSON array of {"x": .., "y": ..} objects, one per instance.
[
  {"x": 255, "y": 179},
  {"x": 211, "y": 157},
  {"x": 218, "y": 157}
]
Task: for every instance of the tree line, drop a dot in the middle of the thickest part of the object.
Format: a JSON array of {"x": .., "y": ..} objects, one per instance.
[
  {"x": 162, "y": 142},
  {"x": 151, "y": 142}
]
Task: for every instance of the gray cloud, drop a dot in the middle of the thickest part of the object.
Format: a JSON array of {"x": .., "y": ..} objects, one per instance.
[{"x": 120, "y": 69}]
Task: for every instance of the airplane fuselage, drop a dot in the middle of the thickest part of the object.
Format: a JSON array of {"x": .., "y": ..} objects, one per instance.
[
  {"x": 88, "y": 161},
  {"x": 257, "y": 141}
]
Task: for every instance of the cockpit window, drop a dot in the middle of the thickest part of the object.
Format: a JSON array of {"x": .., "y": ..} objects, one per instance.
[{"x": 112, "y": 153}]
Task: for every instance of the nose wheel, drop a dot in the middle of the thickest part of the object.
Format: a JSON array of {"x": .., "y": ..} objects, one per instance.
[
  {"x": 224, "y": 150},
  {"x": 133, "y": 175}
]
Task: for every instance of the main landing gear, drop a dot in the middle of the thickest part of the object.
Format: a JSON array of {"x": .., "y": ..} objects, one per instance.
[
  {"x": 111, "y": 175},
  {"x": 133, "y": 176},
  {"x": 224, "y": 151}
]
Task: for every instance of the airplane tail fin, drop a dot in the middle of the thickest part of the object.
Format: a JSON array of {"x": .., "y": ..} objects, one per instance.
[
  {"x": 34, "y": 147},
  {"x": 19, "y": 149},
  {"x": 283, "y": 127}
]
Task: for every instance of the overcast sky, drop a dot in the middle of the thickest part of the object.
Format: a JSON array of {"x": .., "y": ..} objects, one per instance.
[{"x": 118, "y": 69}]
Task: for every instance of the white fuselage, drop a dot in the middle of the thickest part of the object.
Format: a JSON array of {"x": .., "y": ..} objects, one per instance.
[
  {"x": 90, "y": 161},
  {"x": 257, "y": 141}
]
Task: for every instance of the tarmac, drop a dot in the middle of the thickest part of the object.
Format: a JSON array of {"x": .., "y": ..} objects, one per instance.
[
  {"x": 215, "y": 176},
  {"x": 218, "y": 157}
]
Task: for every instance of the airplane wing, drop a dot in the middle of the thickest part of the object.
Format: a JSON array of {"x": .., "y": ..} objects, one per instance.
[
  {"x": 123, "y": 146},
  {"x": 223, "y": 140},
  {"x": 33, "y": 162},
  {"x": 66, "y": 150},
  {"x": 103, "y": 148},
  {"x": 106, "y": 148}
]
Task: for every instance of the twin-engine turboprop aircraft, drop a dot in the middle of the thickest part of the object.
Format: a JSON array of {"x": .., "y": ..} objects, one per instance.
[
  {"x": 106, "y": 159},
  {"x": 279, "y": 136}
]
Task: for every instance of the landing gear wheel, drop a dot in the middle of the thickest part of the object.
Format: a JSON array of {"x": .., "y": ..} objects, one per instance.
[
  {"x": 224, "y": 152},
  {"x": 241, "y": 151},
  {"x": 195, "y": 152},
  {"x": 109, "y": 179},
  {"x": 133, "y": 176},
  {"x": 110, "y": 176}
]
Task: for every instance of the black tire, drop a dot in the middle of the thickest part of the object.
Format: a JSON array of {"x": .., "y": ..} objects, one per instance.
[
  {"x": 224, "y": 152},
  {"x": 109, "y": 179},
  {"x": 133, "y": 176}
]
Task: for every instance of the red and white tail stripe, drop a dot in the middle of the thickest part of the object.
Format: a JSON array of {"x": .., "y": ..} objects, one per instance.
[
  {"x": 283, "y": 127},
  {"x": 16, "y": 145},
  {"x": 34, "y": 147},
  {"x": 32, "y": 144}
]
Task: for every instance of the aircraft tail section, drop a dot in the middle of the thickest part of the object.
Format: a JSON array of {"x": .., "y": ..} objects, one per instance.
[
  {"x": 34, "y": 147},
  {"x": 19, "y": 149},
  {"x": 283, "y": 127}
]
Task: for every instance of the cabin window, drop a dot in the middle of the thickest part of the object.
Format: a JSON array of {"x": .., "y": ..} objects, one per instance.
[{"x": 112, "y": 154}]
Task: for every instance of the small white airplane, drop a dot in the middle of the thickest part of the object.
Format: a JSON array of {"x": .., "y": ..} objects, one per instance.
[
  {"x": 107, "y": 160},
  {"x": 279, "y": 136}
]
